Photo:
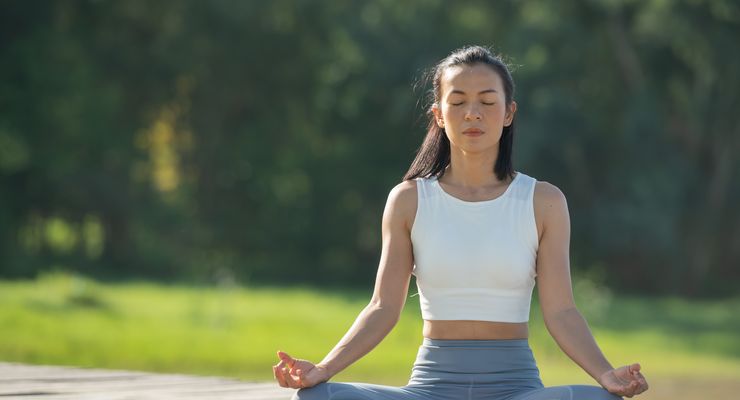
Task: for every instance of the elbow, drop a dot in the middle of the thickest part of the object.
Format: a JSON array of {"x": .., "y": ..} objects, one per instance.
[
  {"x": 553, "y": 319},
  {"x": 389, "y": 314}
]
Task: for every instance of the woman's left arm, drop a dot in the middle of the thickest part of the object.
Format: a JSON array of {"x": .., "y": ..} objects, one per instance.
[{"x": 563, "y": 320}]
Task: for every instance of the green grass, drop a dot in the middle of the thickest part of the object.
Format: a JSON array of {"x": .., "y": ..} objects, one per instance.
[{"x": 235, "y": 331}]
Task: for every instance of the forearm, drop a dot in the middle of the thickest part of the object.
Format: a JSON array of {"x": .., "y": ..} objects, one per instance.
[
  {"x": 571, "y": 332},
  {"x": 369, "y": 329}
]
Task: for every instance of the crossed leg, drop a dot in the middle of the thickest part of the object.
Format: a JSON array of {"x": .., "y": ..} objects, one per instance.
[
  {"x": 368, "y": 391},
  {"x": 568, "y": 392}
]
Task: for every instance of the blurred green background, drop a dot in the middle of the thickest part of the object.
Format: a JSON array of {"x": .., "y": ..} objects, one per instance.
[{"x": 219, "y": 169}]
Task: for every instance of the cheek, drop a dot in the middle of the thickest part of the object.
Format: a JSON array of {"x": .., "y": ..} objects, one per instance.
[
  {"x": 497, "y": 115},
  {"x": 451, "y": 112},
  {"x": 499, "y": 110}
]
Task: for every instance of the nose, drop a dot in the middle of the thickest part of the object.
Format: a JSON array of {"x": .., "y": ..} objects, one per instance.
[{"x": 473, "y": 113}]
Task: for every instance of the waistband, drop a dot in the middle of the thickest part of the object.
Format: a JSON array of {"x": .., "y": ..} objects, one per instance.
[
  {"x": 495, "y": 343},
  {"x": 503, "y": 364}
]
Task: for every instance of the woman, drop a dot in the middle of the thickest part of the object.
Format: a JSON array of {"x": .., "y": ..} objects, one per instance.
[{"x": 476, "y": 234}]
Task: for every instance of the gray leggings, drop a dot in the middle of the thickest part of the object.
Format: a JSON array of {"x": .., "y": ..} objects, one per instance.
[{"x": 503, "y": 369}]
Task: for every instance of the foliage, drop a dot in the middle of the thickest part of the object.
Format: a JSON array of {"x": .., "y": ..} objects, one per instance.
[{"x": 257, "y": 141}]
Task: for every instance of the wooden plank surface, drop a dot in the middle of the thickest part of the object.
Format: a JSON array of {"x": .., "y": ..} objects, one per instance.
[{"x": 27, "y": 382}]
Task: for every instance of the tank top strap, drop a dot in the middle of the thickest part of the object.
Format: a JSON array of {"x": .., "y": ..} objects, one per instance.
[
  {"x": 520, "y": 186},
  {"x": 423, "y": 188},
  {"x": 524, "y": 194}
]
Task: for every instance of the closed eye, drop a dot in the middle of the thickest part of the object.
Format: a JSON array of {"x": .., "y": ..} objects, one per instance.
[{"x": 483, "y": 102}]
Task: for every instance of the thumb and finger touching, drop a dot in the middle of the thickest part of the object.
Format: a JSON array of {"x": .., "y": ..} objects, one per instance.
[
  {"x": 632, "y": 382},
  {"x": 622, "y": 382},
  {"x": 284, "y": 356},
  {"x": 294, "y": 373}
]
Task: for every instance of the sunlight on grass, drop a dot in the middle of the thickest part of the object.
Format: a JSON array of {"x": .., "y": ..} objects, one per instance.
[{"x": 235, "y": 331}]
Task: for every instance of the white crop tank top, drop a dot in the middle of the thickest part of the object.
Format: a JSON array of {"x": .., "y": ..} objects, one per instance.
[{"x": 475, "y": 260}]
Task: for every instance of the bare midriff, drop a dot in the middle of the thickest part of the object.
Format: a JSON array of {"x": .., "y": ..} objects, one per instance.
[{"x": 474, "y": 330}]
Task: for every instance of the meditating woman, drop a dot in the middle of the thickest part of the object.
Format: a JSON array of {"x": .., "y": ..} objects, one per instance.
[{"x": 476, "y": 234}]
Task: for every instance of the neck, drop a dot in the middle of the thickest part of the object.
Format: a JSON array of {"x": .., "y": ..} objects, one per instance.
[{"x": 472, "y": 169}]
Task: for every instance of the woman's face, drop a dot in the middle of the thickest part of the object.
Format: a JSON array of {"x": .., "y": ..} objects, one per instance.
[{"x": 472, "y": 107}]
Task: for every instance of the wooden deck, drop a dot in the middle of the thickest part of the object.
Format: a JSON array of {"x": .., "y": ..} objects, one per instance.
[{"x": 27, "y": 382}]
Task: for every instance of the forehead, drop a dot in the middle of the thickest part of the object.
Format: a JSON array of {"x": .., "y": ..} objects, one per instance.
[{"x": 470, "y": 78}]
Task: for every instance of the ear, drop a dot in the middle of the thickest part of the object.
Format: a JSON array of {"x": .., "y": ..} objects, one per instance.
[
  {"x": 438, "y": 115},
  {"x": 510, "y": 114}
]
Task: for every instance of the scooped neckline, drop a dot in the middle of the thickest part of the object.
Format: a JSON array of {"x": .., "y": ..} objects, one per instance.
[{"x": 477, "y": 203}]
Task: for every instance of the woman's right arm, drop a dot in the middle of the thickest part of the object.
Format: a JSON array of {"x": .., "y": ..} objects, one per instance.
[
  {"x": 383, "y": 311},
  {"x": 379, "y": 317}
]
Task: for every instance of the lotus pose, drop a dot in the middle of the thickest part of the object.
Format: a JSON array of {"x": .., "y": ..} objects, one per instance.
[{"x": 477, "y": 235}]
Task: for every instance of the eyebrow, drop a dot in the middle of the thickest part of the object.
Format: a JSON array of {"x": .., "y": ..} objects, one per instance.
[{"x": 481, "y": 92}]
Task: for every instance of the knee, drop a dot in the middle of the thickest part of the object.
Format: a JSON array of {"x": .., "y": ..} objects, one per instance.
[
  {"x": 571, "y": 392},
  {"x": 591, "y": 392},
  {"x": 338, "y": 391},
  {"x": 317, "y": 392}
]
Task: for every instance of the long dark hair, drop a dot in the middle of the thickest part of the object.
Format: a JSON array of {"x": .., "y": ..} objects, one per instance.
[{"x": 434, "y": 154}]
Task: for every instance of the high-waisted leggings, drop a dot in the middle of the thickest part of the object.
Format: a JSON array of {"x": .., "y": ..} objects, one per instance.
[{"x": 503, "y": 369}]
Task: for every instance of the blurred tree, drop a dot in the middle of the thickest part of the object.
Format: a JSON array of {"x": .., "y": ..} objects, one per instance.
[{"x": 259, "y": 140}]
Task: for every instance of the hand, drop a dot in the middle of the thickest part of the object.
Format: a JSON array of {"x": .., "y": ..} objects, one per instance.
[
  {"x": 624, "y": 381},
  {"x": 297, "y": 374}
]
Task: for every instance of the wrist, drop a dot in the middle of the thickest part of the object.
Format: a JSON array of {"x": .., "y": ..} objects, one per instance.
[
  {"x": 327, "y": 369},
  {"x": 600, "y": 376}
]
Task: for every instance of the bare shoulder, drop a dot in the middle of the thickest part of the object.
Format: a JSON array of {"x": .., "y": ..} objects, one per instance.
[
  {"x": 549, "y": 204},
  {"x": 547, "y": 194},
  {"x": 405, "y": 187},
  {"x": 402, "y": 201}
]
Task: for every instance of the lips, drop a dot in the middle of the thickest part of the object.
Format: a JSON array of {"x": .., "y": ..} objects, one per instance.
[{"x": 473, "y": 132}]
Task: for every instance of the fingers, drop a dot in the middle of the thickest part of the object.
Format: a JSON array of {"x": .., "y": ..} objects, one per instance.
[
  {"x": 627, "y": 391},
  {"x": 278, "y": 372},
  {"x": 631, "y": 389},
  {"x": 292, "y": 381},
  {"x": 625, "y": 381},
  {"x": 284, "y": 377},
  {"x": 634, "y": 385},
  {"x": 624, "y": 388},
  {"x": 299, "y": 378},
  {"x": 643, "y": 384},
  {"x": 285, "y": 357},
  {"x": 637, "y": 377}
]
